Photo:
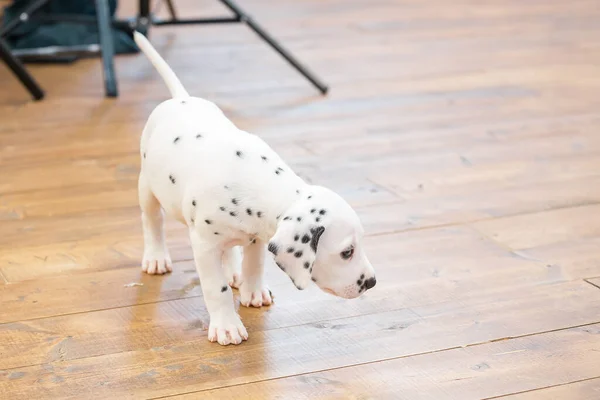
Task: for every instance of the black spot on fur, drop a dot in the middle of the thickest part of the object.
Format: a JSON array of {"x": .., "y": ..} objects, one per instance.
[
  {"x": 287, "y": 218},
  {"x": 362, "y": 276},
  {"x": 314, "y": 280},
  {"x": 309, "y": 197},
  {"x": 208, "y": 221},
  {"x": 144, "y": 155},
  {"x": 172, "y": 178},
  {"x": 296, "y": 238},
  {"x": 317, "y": 232},
  {"x": 322, "y": 212},
  {"x": 310, "y": 270},
  {"x": 248, "y": 211},
  {"x": 313, "y": 211},
  {"x": 277, "y": 171},
  {"x": 307, "y": 265},
  {"x": 226, "y": 187},
  {"x": 298, "y": 254},
  {"x": 318, "y": 219},
  {"x": 297, "y": 191},
  {"x": 194, "y": 203},
  {"x": 198, "y": 136},
  {"x": 299, "y": 219},
  {"x": 182, "y": 101},
  {"x": 234, "y": 201},
  {"x": 222, "y": 208},
  {"x": 279, "y": 216},
  {"x": 259, "y": 214},
  {"x": 239, "y": 154},
  {"x": 359, "y": 282},
  {"x": 290, "y": 250},
  {"x": 192, "y": 221},
  {"x": 176, "y": 139},
  {"x": 264, "y": 158},
  {"x": 217, "y": 233},
  {"x": 232, "y": 213},
  {"x": 305, "y": 238},
  {"x": 273, "y": 248},
  {"x": 223, "y": 289}
]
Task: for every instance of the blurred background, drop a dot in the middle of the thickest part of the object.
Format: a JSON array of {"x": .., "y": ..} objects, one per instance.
[{"x": 464, "y": 133}]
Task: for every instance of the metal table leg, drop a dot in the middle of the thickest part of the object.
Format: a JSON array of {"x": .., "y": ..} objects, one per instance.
[{"x": 107, "y": 46}]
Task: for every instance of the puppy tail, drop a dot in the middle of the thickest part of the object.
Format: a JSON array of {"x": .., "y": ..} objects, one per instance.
[{"x": 173, "y": 83}]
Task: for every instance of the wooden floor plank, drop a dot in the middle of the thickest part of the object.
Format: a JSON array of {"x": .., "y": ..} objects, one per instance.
[
  {"x": 583, "y": 390},
  {"x": 469, "y": 373},
  {"x": 543, "y": 228}
]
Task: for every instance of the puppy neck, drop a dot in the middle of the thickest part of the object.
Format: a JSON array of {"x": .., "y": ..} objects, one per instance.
[{"x": 298, "y": 205}]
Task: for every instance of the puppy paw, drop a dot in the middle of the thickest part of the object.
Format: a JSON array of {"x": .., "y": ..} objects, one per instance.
[
  {"x": 255, "y": 296},
  {"x": 157, "y": 262},
  {"x": 227, "y": 329}
]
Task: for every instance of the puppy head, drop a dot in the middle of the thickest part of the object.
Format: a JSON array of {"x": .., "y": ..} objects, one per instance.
[{"x": 320, "y": 238}]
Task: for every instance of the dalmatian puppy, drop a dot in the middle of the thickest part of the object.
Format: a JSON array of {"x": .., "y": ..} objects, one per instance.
[{"x": 235, "y": 193}]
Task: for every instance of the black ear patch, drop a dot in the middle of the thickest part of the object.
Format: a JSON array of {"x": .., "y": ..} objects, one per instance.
[
  {"x": 314, "y": 241},
  {"x": 273, "y": 248}
]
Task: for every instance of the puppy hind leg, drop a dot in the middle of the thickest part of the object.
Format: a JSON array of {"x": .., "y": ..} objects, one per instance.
[
  {"x": 253, "y": 290},
  {"x": 156, "y": 255}
]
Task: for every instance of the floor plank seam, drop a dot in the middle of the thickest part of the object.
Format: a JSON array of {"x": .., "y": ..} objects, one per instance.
[
  {"x": 541, "y": 388},
  {"x": 96, "y": 310},
  {"x": 400, "y": 198},
  {"x": 382, "y": 360},
  {"x": 20, "y": 164}
]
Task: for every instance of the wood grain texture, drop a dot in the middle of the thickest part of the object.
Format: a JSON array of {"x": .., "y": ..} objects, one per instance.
[
  {"x": 475, "y": 372},
  {"x": 463, "y": 133},
  {"x": 587, "y": 389}
]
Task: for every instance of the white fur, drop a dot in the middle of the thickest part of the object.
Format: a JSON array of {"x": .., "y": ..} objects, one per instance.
[{"x": 231, "y": 189}]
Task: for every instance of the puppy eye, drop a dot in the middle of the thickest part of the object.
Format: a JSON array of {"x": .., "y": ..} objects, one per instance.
[{"x": 346, "y": 254}]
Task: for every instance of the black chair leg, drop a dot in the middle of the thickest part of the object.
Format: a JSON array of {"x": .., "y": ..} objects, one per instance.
[
  {"x": 20, "y": 72},
  {"x": 273, "y": 43},
  {"x": 171, "y": 7},
  {"x": 107, "y": 47}
]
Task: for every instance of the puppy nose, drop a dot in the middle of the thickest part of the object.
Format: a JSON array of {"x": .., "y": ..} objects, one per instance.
[{"x": 370, "y": 283}]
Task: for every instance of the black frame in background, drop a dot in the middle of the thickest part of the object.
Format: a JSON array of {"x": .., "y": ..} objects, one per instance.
[{"x": 141, "y": 23}]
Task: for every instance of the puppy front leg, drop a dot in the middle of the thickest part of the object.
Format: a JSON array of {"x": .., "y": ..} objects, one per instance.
[
  {"x": 156, "y": 255},
  {"x": 225, "y": 325},
  {"x": 253, "y": 290}
]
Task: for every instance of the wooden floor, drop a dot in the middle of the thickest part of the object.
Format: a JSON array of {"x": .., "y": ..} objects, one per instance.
[{"x": 465, "y": 133}]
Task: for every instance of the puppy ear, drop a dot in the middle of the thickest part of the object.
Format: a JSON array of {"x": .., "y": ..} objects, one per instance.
[{"x": 295, "y": 246}]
